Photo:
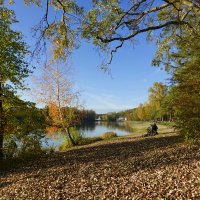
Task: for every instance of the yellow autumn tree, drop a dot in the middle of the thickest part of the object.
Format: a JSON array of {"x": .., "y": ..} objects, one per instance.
[{"x": 55, "y": 90}]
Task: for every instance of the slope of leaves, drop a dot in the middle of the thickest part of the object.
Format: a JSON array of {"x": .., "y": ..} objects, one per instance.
[{"x": 130, "y": 168}]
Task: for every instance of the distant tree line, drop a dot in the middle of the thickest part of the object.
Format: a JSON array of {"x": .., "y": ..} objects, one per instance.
[
  {"x": 87, "y": 116},
  {"x": 111, "y": 116},
  {"x": 156, "y": 108}
]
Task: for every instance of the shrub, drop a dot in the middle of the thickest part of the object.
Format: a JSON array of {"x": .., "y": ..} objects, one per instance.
[
  {"x": 108, "y": 135},
  {"x": 77, "y": 137},
  {"x": 22, "y": 146},
  {"x": 10, "y": 146},
  {"x": 29, "y": 146},
  {"x": 66, "y": 144},
  {"x": 49, "y": 150},
  {"x": 189, "y": 128}
]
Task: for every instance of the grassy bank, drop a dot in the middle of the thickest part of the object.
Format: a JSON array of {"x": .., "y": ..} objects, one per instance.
[
  {"x": 140, "y": 127},
  {"x": 66, "y": 145}
]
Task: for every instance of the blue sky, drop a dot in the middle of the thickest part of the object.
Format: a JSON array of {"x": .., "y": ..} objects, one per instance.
[{"x": 132, "y": 73}]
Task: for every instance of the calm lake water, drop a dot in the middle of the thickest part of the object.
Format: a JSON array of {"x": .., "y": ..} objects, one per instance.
[{"x": 91, "y": 130}]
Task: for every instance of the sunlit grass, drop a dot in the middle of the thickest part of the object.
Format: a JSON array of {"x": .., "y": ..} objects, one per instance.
[
  {"x": 140, "y": 127},
  {"x": 108, "y": 135}
]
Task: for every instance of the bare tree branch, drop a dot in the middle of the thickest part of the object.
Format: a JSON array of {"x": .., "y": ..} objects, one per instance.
[
  {"x": 114, "y": 51},
  {"x": 47, "y": 12},
  {"x": 106, "y": 40}
]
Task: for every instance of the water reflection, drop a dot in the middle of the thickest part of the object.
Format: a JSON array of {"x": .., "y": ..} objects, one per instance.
[
  {"x": 123, "y": 126},
  {"x": 93, "y": 130},
  {"x": 87, "y": 127}
]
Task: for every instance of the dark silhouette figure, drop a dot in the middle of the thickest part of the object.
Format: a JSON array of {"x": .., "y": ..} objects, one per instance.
[
  {"x": 154, "y": 129},
  {"x": 151, "y": 130}
]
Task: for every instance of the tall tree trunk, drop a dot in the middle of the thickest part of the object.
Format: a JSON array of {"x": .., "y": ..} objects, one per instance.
[{"x": 1, "y": 122}]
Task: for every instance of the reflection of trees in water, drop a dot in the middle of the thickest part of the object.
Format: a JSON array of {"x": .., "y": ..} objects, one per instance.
[
  {"x": 123, "y": 126},
  {"x": 87, "y": 126}
]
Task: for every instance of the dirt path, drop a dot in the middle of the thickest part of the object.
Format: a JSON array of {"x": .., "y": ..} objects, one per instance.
[{"x": 129, "y": 168}]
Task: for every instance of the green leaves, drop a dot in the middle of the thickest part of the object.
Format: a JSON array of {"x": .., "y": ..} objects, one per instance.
[
  {"x": 13, "y": 69},
  {"x": 13, "y": 50},
  {"x": 179, "y": 53}
]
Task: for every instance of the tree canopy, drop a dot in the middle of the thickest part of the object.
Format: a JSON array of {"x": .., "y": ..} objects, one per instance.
[
  {"x": 13, "y": 51},
  {"x": 109, "y": 24},
  {"x": 13, "y": 65},
  {"x": 183, "y": 63}
]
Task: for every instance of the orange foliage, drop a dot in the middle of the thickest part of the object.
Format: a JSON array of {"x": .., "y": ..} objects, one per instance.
[
  {"x": 53, "y": 110},
  {"x": 51, "y": 130}
]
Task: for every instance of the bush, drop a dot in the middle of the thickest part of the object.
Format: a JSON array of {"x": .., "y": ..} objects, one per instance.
[
  {"x": 76, "y": 136},
  {"x": 66, "y": 144},
  {"x": 10, "y": 146},
  {"x": 189, "y": 128},
  {"x": 108, "y": 135},
  {"x": 22, "y": 146},
  {"x": 30, "y": 146},
  {"x": 49, "y": 150}
]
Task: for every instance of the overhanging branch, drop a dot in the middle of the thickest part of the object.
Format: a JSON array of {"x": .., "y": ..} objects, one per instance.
[{"x": 106, "y": 40}]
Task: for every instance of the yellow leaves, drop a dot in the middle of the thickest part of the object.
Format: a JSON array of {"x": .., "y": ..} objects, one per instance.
[
  {"x": 60, "y": 48},
  {"x": 63, "y": 40},
  {"x": 53, "y": 109},
  {"x": 11, "y": 1},
  {"x": 51, "y": 130},
  {"x": 141, "y": 112},
  {"x": 37, "y": 2}
]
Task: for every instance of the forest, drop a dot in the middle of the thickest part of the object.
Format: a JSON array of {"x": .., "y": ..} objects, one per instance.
[{"x": 173, "y": 26}]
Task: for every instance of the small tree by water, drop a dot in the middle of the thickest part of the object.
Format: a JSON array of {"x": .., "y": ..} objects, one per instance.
[{"x": 56, "y": 91}]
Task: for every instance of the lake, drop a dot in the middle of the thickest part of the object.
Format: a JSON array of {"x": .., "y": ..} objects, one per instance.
[{"x": 91, "y": 130}]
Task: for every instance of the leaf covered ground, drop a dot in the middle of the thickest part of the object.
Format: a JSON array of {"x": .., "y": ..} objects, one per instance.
[{"x": 161, "y": 167}]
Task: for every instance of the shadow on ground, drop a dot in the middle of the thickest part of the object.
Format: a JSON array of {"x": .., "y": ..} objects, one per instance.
[{"x": 145, "y": 152}]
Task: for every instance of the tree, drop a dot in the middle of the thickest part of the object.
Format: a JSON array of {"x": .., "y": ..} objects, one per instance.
[
  {"x": 155, "y": 106},
  {"x": 87, "y": 115},
  {"x": 13, "y": 67},
  {"x": 54, "y": 89},
  {"x": 109, "y": 24},
  {"x": 184, "y": 97},
  {"x": 156, "y": 98},
  {"x": 179, "y": 55},
  {"x": 141, "y": 112},
  {"x": 150, "y": 111},
  {"x": 24, "y": 127}
]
